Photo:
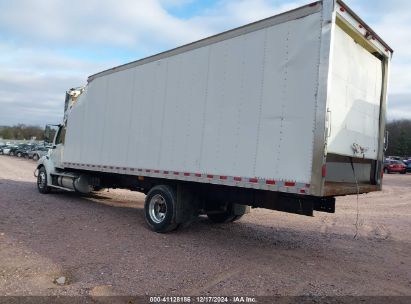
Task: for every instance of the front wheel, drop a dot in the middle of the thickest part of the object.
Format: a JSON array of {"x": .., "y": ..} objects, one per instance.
[
  {"x": 42, "y": 181},
  {"x": 35, "y": 157},
  {"x": 159, "y": 209}
]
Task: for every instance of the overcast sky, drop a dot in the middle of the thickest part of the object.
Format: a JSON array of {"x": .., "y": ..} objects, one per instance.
[{"x": 48, "y": 46}]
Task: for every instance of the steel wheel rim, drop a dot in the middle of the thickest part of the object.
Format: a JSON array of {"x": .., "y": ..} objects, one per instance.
[
  {"x": 157, "y": 208},
  {"x": 42, "y": 180}
]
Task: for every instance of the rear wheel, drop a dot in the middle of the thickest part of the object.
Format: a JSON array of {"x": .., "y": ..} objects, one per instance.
[
  {"x": 42, "y": 181},
  {"x": 35, "y": 157},
  {"x": 159, "y": 209}
]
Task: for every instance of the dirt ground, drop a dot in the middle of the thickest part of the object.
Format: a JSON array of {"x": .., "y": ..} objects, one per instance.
[{"x": 102, "y": 246}]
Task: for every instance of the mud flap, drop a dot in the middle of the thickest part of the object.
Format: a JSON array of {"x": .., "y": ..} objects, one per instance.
[{"x": 187, "y": 205}]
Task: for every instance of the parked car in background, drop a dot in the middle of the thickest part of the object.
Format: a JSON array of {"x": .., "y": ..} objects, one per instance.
[
  {"x": 1, "y": 148},
  {"x": 11, "y": 150},
  {"x": 22, "y": 149},
  {"x": 14, "y": 149},
  {"x": 408, "y": 164},
  {"x": 394, "y": 166},
  {"x": 25, "y": 152},
  {"x": 35, "y": 154},
  {"x": 7, "y": 149},
  {"x": 29, "y": 152}
]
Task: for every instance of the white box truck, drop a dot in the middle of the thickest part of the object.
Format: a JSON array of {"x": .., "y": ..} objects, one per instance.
[{"x": 285, "y": 113}]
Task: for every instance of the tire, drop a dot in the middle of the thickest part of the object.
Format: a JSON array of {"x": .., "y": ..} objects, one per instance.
[
  {"x": 19, "y": 154},
  {"x": 42, "y": 181},
  {"x": 35, "y": 157},
  {"x": 227, "y": 216},
  {"x": 159, "y": 209},
  {"x": 11, "y": 153}
]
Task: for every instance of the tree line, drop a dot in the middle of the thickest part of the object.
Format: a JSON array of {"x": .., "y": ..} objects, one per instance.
[
  {"x": 21, "y": 131},
  {"x": 399, "y": 138}
]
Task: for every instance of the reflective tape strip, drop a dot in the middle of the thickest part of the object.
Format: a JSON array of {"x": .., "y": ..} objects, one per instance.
[{"x": 238, "y": 181}]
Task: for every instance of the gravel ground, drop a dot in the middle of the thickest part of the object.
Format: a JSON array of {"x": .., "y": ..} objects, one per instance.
[{"x": 102, "y": 246}]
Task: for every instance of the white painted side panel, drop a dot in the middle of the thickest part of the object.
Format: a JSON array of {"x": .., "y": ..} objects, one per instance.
[
  {"x": 74, "y": 137},
  {"x": 289, "y": 96},
  {"x": 93, "y": 132},
  {"x": 183, "y": 114},
  {"x": 356, "y": 79},
  {"x": 240, "y": 107},
  {"x": 232, "y": 89}
]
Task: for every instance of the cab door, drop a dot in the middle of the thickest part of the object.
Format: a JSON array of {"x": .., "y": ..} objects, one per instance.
[{"x": 56, "y": 154}]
